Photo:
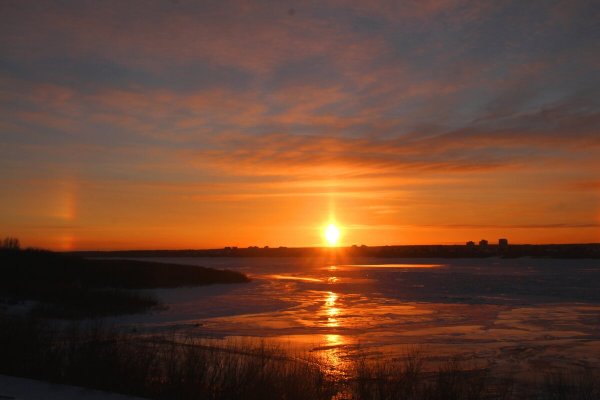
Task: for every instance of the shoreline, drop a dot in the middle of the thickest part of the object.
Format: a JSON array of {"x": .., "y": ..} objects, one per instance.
[{"x": 556, "y": 251}]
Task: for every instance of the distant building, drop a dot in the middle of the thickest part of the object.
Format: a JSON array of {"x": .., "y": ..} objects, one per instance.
[
  {"x": 483, "y": 243},
  {"x": 502, "y": 245}
]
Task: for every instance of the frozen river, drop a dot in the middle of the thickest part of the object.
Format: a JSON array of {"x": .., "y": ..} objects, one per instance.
[{"x": 506, "y": 313}]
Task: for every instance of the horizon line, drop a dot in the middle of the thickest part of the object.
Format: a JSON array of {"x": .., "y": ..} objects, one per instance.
[{"x": 315, "y": 247}]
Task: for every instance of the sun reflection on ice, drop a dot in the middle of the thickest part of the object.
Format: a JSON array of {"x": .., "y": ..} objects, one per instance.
[
  {"x": 331, "y": 299},
  {"x": 333, "y": 355},
  {"x": 331, "y": 310},
  {"x": 334, "y": 340},
  {"x": 334, "y": 345},
  {"x": 332, "y": 279}
]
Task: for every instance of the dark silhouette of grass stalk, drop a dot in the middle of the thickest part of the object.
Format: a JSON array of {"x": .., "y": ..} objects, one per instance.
[{"x": 174, "y": 367}]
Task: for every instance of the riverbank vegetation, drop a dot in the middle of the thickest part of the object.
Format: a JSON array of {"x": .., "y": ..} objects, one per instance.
[
  {"x": 174, "y": 367},
  {"x": 69, "y": 286}
]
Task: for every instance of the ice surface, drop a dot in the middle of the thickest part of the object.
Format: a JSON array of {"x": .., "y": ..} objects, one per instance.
[{"x": 508, "y": 312}]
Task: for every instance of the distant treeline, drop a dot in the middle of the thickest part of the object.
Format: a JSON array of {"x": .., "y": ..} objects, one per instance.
[{"x": 411, "y": 251}]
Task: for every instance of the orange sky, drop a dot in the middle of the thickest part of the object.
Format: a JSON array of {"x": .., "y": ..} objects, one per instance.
[{"x": 201, "y": 125}]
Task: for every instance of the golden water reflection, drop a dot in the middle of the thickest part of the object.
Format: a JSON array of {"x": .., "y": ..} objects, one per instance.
[
  {"x": 331, "y": 310},
  {"x": 334, "y": 354},
  {"x": 293, "y": 278},
  {"x": 335, "y": 340},
  {"x": 333, "y": 350},
  {"x": 398, "y": 266},
  {"x": 330, "y": 300},
  {"x": 334, "y": 343}
]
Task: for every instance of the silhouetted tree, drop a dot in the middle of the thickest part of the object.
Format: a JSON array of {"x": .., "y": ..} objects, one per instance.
[{"x": 11, "y": 243}]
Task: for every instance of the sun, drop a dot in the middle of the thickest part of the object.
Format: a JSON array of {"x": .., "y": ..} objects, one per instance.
[{"x": 332, "y": 234}]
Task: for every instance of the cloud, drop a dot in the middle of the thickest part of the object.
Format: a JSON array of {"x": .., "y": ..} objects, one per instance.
[
  {"x": 330, "y": 157},
  {"x": 384, "y": 106},
  {"x": 163, "y": 35},
  {"x": 585, "y": 186},
  {"x": 519, "y": 226},
  {"x": 560, "y": 131}
]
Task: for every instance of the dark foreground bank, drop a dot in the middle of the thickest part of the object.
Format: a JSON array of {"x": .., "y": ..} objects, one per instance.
[
  {"x": 170, "y": 367},
  {"x": 70, "y": 286}
]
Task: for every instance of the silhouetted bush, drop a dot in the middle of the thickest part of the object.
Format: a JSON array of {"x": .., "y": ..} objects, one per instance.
[
  {"x": 155, "y": 367},
  {"x": 171, "y": 367},
  {"x": 10, "y": 243},
  {"x": 69, "y": 286}
]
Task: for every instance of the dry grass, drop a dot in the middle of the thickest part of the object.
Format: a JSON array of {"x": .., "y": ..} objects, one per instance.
[
  {"x": 407, "y": 379},
  {"x": 169, "y": 367},
  {"x": 155, "y": 367}
]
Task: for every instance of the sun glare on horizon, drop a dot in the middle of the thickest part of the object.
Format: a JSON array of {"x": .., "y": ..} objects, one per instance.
[{"x": 332, "y": 235}]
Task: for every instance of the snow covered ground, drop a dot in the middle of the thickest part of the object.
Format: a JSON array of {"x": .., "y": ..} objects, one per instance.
[{"x": 12, "y": 388}]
